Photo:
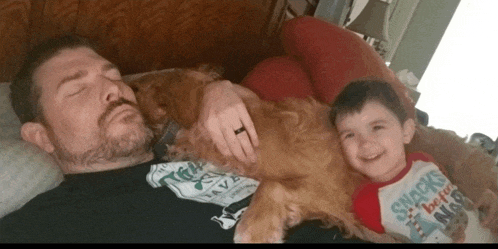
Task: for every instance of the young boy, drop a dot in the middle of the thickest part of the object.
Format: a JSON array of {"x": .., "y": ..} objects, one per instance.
[{"x": 406, "y": 196}]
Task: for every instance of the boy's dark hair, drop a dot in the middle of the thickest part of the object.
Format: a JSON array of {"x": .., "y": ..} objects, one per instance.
[
  {"x": 24, "y": 93},
  {"x": 356, "y": 94}
]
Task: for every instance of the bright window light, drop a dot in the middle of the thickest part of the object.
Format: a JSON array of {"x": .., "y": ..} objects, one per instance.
[{"x": 459, "y": 89}]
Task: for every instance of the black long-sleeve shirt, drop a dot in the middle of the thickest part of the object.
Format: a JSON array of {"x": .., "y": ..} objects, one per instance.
[{"x": 151, "y": 202}]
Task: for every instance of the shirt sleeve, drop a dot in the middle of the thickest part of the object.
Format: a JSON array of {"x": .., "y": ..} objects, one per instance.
[
  {"x": 422, "y": 156},
  {"x": 366, "y": 207}
]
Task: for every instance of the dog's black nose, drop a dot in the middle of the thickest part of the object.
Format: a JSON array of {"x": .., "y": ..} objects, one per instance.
[{"x": 134, "y": 88}]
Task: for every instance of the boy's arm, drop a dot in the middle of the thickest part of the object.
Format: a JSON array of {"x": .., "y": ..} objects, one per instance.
[
  {"x": 488, "y": 203},
  {"x": 366, "y": 207}
]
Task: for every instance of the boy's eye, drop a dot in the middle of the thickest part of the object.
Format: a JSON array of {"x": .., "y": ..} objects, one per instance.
[
  {"x": 348, "y": 135},
  {"x": 378, "y": 127}
]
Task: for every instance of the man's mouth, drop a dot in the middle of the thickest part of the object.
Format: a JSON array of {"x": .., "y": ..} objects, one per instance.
[
  {"x": 117, "y": 109},
  {"x": 121, "y": 111}
]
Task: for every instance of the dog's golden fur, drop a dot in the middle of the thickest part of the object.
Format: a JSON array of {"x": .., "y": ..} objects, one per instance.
[
  {"x": 302, "y": 173},
  {"x": 467, "y": 165}
]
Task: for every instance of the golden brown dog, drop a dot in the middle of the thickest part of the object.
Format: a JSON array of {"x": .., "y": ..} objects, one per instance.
[{"x": 302, "y": 173}]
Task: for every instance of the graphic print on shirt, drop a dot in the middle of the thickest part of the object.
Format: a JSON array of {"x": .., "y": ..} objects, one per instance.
[
  {"x": 426, "y": 207},
  {"x": 193, "y": 181}
]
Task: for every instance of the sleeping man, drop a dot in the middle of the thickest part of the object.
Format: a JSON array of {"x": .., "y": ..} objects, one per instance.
[{"x": 74, "y": 105}]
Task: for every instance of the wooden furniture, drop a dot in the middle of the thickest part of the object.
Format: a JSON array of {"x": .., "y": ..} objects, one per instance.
[{"x": 141, "y": 36}]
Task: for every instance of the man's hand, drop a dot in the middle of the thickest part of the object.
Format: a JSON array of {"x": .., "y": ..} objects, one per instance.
[
  {"x": 222, "y": 113},
  {"x": 488, "y": 203}
]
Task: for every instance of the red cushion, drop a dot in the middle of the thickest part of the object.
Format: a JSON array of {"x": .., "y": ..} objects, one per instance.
[
  {"x": 326, "y": 58},
  {"x": 277, "y": 78}
]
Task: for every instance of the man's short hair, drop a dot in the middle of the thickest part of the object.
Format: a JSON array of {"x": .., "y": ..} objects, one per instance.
[
  {"x": 24, "y": 93},
  {"x": 356, "y": 94}
]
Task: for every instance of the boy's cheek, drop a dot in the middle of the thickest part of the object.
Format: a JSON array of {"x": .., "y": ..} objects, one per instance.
[
  {"x": 348, "y": 152},
  {"x": 348, "y": 146},
  {"x": 343, "y": 150}
]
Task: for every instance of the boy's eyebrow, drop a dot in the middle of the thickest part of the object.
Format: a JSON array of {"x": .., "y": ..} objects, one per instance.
[
  {"x": 82, "y": 73},
  {"x": 378, "y": 121},
  {"x": 344, "y": 131}
]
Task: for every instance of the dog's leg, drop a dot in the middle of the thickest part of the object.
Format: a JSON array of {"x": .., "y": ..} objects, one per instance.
[
  {"x": 369, "y": 235},
  {"x": 265, "y": 219}
]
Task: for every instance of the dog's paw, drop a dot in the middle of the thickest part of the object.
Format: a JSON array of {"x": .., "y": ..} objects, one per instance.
[
  {"x": 384, "y": 238},
  {"x": 252, "y": 234},
  {"x": 254, "y": 228}
]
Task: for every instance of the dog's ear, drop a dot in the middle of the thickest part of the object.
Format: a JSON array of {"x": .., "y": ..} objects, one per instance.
[
  {"x": 146, "y": 90},
  {"x": 178, "y": 95},
  {"x": 134, "y": 87},
  {"x": 175, "y": 95},
  {"x": 215, "y": 71},
  {"x": 187, "y": 98}
]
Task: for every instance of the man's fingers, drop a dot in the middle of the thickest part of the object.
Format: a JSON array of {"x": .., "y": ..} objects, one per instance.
[
  {"x": 213, "y": 126},
  {"x": 249, "y": 126},
  {"x": 247, "y": 147},
  {"x": 222, "y": 104},
  {"x": 231, "y": 138}
]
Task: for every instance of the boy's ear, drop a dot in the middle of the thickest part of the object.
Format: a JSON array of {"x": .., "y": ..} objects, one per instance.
[
  {"x": 36, "y": 133},
  {"x": 409, "y": 128}
]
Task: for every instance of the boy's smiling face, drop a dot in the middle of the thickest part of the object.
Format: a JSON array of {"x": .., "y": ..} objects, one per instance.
[{"x": 373, "y": 141}]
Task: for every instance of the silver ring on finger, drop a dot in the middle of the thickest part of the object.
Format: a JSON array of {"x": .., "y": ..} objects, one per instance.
[{"x": 240, "y": 130}]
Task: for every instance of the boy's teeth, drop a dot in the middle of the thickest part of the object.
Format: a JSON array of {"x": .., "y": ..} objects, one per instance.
[{"x": 371, "y": 157}]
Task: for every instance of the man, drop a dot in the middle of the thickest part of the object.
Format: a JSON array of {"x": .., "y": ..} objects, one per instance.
[{"x": 81, "y": 112}]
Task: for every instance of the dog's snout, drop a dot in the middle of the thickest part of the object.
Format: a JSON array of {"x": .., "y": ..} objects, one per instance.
[{"x": 134, "y": 88}]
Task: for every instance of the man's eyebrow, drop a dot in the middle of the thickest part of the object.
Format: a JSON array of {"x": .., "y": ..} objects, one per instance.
[
  {"x": 82, "y": 73},
  {"x": 109, "y": 66},
  {"x": 75, "y": 76}
]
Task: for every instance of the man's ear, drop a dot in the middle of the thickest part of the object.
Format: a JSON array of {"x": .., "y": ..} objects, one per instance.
[
  {"x": 37, "y": 133},
  {"x": 409, "y": 128}
]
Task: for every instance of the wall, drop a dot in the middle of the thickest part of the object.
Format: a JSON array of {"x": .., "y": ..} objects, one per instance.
[
  {"x": 460, "y": 86},
  {"x": 423, "y": 34},
  {"x": 415, "y": 29}
]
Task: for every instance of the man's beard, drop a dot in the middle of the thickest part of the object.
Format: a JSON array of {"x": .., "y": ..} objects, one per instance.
[{"x": 133, "y": 143}]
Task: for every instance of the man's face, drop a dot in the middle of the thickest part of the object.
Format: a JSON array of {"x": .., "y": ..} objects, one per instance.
[
  {"x": 91, "y": 113},
  {"x": 373, "y": 141}
]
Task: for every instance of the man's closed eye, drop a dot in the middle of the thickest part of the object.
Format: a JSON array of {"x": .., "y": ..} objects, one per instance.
[{"x": 75, "y": 91}]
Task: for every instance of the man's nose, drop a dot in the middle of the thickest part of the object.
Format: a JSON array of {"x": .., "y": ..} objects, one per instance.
[{"x": 111, "y": 90}]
